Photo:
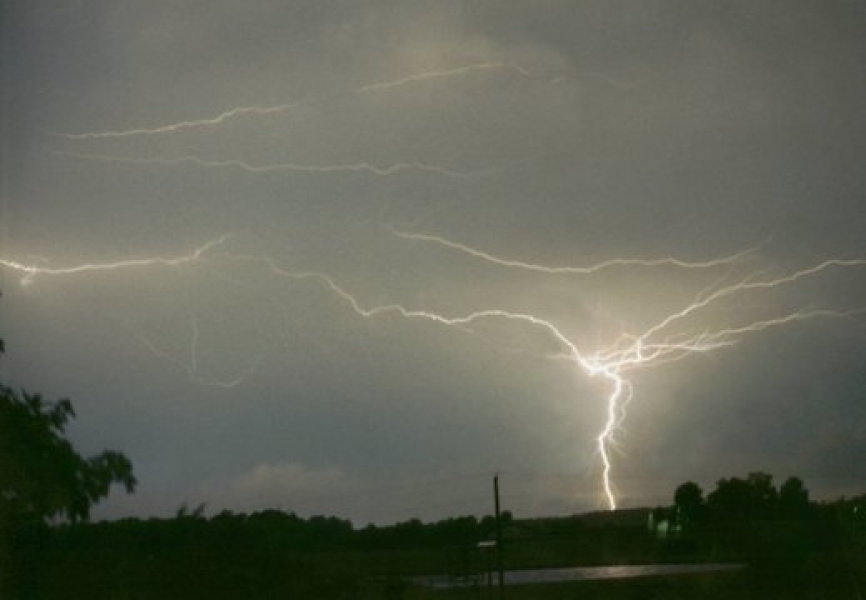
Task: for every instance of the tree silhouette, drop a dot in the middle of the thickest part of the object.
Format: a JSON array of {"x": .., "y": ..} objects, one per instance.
[
  {"x": 750, "y": 498},
  {"x": 41, "y": 475},
  {"x": 793, "y": 498},
  {"x": 689, "y": 502}
]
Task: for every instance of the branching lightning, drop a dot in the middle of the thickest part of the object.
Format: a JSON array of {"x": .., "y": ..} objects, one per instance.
[
  {"x": 692, "y": 324},
  {"x": 665, "y": 341},
  {"x": 191, "y": 365},
  {"x": 750, "y": 284},
  {"x": 628, "y": 352}
]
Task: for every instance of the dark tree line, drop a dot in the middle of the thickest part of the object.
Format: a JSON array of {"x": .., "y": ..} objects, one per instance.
[
  {"x": 784, "y": 537},
  {"x": 230, "y": 555},
  {"x": 736, "y": 499}
]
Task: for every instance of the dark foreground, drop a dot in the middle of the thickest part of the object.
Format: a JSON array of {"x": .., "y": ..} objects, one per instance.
[
  {"x": 741, "y": 585},
  {"x": 278, "y": 555},
  {"x": 791, "y": 548}
]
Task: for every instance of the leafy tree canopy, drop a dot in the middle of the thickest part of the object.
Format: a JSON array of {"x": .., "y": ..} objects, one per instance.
[
  {"x": 689, "y": 501},
  {"x": 41, "y": 475}
]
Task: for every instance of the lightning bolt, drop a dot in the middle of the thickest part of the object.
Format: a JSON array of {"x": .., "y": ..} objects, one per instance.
[
  {"x": 663, "y": 342},
  {"x": 750, "y": 284},
  {"x": 667, "y": 340},
  {"x": 191, "y": 365},
  {"x": 268, "y": 110},
  {"x": 447, "y": 73},
  {"x": 279, "y": 167},
  {"x": 31, "y": 272},
  {"x": 612, "y": 362},
  {"x": 587, "y": 270},
  {"x": 636, "y": 351},
  {"x": 181, "y": 125}
]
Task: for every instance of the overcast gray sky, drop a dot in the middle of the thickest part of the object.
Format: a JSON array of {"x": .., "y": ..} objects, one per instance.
[{"x": 328, "y": 185}]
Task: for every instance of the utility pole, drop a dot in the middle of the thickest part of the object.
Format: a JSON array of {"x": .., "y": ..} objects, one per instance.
[{"x": 498, "y": 537}]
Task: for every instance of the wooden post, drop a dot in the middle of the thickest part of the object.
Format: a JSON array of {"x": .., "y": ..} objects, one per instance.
[{"x": 498, "y": 537}]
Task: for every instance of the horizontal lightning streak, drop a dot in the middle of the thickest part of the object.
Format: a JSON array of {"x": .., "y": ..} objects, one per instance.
[
  {"x": 272, "y": 168},
  {"x": 372, "y": 87},
  {"x": 758, "y": 326},
  {"x": 32, "y": 271},
  {"x": 614, "y": 262},
  {"x": 266, "y": 110},
  {"x": 180, "y": 125},
  {"x": 400, "y": 309}
]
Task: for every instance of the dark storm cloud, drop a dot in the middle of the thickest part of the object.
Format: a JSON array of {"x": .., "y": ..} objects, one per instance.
[{"x": 550, "y": 132}]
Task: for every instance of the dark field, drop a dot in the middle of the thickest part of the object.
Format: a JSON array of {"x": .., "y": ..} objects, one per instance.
[
  {"x": 743, "y": 586},
  {"x": 278, "y": 555}
]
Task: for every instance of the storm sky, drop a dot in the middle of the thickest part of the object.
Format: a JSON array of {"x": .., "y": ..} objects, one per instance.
[{"x": 328, "y": 158}]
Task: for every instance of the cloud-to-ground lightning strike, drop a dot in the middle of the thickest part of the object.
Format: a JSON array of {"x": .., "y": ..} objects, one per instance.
[
  {"x": 31, "y": 271},
  {"x": 657, "y": 344},
  {"x": 628, "y": 353},
  {"x": 640, "y": 350}
]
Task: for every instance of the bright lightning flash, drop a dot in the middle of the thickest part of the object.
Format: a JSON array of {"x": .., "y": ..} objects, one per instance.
[
  {"x": 667, "y": 340},
  {"x": 657, "y": 344}
]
